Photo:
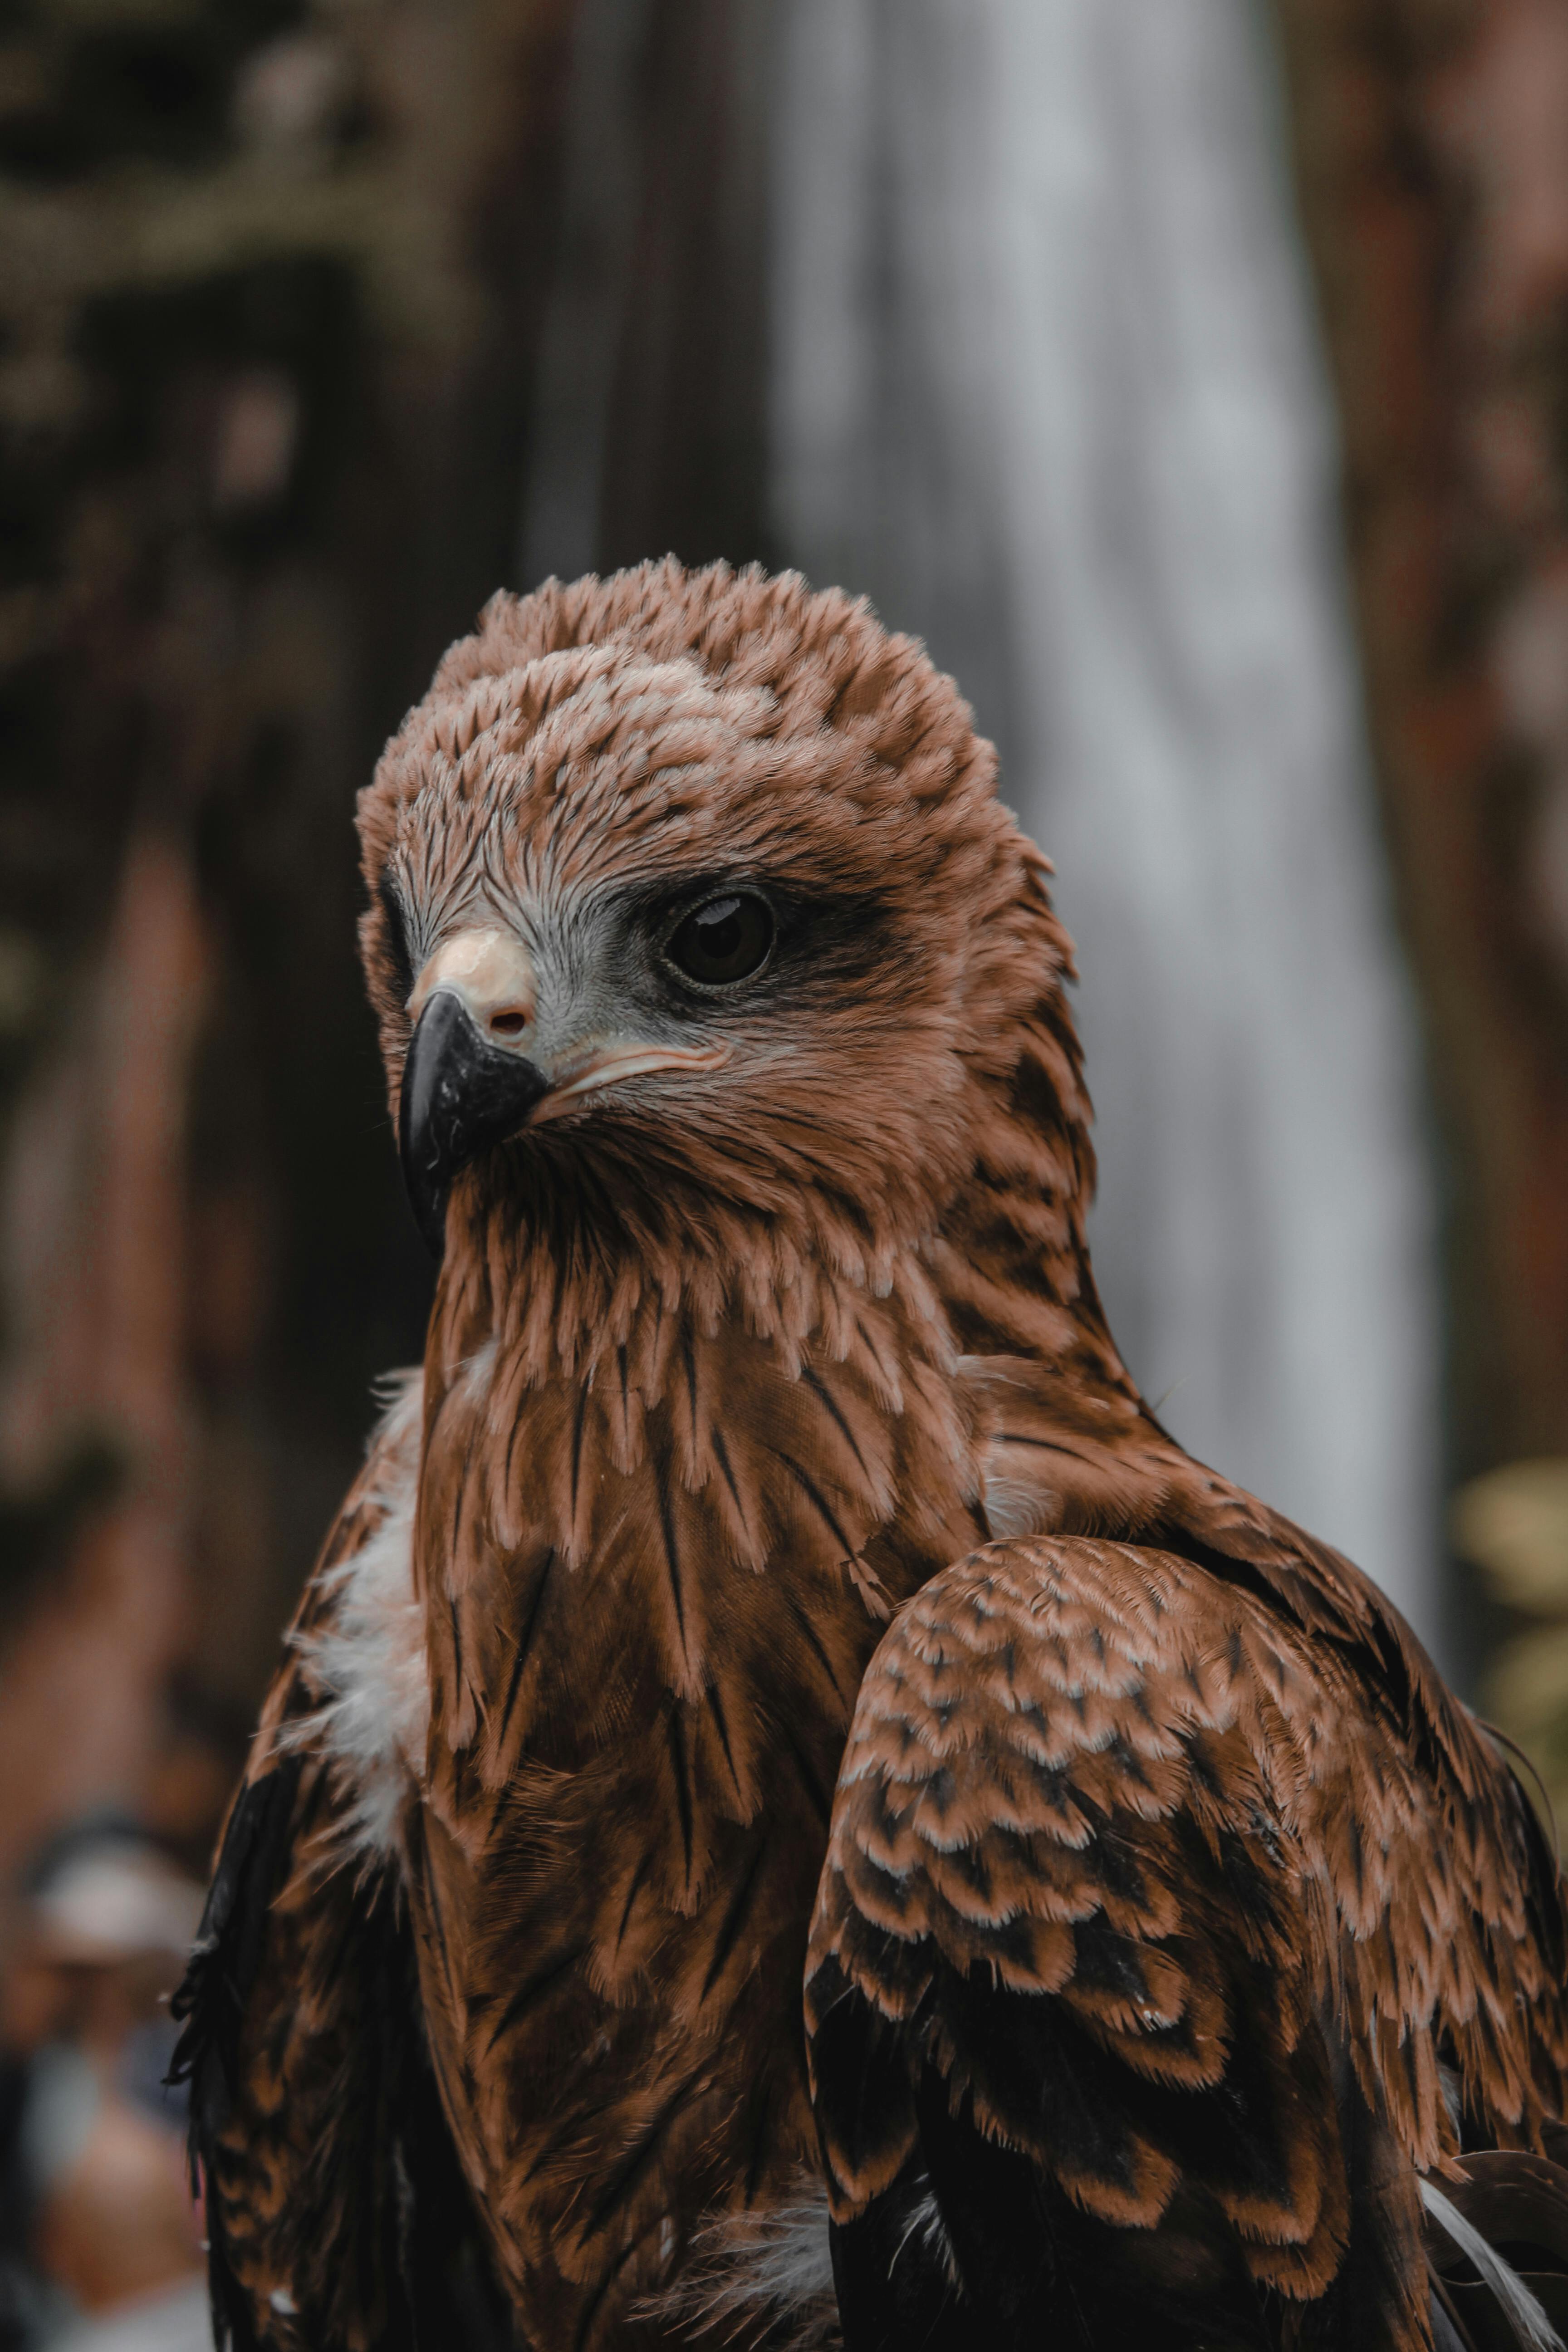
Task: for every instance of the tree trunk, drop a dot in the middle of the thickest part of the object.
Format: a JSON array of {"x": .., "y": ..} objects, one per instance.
[{"x": 1432, "y": 141}]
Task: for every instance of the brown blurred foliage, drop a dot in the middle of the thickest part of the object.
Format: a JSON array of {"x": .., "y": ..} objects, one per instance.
[{"x": 267, "y": 284}]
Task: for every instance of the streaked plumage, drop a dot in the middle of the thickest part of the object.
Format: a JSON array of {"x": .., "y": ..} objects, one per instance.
[{"x": 776, "y": 1578}]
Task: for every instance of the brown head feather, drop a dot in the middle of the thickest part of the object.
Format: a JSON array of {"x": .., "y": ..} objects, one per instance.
[{"x": 644, "y": 729}]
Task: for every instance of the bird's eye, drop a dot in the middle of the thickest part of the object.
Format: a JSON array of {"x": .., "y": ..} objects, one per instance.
[{"x": 724, "y": 939}]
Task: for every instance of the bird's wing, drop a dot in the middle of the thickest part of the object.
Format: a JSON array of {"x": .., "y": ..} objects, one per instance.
[
  {"x": 1475, "y": 1936},
  {"x": 1100, "y": 2011},
  {"x": 336, "y": 2214}
]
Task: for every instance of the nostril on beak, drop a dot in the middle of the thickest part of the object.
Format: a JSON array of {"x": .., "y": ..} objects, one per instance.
[{"x": 510, "y": 1023}]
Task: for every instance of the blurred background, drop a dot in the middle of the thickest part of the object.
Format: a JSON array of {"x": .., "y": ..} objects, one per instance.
[{"x": 1194, "y": 379}]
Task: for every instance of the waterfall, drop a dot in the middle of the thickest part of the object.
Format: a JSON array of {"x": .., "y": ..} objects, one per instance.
[{"x": 1045, "y": 384}]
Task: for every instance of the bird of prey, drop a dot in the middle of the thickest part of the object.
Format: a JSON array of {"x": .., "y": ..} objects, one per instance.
[{"x": 793, "y": 1811}]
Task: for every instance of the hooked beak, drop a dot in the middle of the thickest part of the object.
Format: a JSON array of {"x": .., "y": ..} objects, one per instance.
[
  {"x": 469, "y": 1081},
  {"x": 461, "y": 1095}
]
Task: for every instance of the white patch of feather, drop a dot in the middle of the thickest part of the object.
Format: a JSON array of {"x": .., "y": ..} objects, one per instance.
[
  {"x": 1453, "y": 2098},
  {"x": 927, "y": 2228},
  {"x": 986, "y": 1371},
  {"x": 369, "y": 1656},
  {"x": 773, "y": 2267},
  {"x": 1018, "y": 1507},
  {"x": 1520, "y": 2308}
]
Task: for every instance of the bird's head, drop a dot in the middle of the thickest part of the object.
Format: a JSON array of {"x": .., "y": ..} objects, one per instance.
[{"x": 692, "y": 909}]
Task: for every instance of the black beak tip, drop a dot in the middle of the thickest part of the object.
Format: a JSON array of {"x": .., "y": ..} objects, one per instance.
[
  {"x": 428, "y": 1203},
  {"x": 461, "y": 1095}
]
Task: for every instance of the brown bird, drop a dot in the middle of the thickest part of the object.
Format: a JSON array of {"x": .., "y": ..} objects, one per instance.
[{"x": 775, "y": 1580}]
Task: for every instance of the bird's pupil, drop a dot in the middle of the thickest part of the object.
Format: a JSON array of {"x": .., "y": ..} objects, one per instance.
[
  {"x": 719, "y": 928},
  {"x": 723, "y": 939}
]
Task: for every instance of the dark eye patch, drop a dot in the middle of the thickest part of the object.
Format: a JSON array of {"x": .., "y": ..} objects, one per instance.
[
  {"x": 819, "y": 939},
  {"x": 396, "y": 939}
]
